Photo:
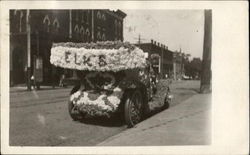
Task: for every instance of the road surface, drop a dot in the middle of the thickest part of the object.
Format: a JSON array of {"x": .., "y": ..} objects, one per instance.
[{"x": 40, "y": 118}]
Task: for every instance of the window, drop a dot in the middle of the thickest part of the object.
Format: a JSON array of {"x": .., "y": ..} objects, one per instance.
[
  {"x": 87, "y": 32},
  {"x": 103, "y": 37},
  {"x": 103, "y": 17},
  {"x": 99, "y": 35},
  {"x": 82, "y": 31},
  {"x": 99, "y": 15},
  {"x": 119, "y": 29},
  {"x": 87, "y": 35},
  {"x": 56, "y": 25},
  {"x": 115, "y": 27},
  {"x": 76, "y": 29},
  {"x": 46, "y": 22}
]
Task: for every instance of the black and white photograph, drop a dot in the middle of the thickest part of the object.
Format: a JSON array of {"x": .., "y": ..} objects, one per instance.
[{"x": 111, "y": 77}]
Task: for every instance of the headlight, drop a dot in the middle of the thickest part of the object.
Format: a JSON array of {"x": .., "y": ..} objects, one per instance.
[{"x": 170, "y": 96}]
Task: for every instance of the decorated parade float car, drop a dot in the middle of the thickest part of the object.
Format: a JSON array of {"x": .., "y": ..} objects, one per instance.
[{"x": 115, "y": 78}]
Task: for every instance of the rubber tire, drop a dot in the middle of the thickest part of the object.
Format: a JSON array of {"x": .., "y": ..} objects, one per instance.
[
  {"x": 74, "y": 116},
  {"x": 127, "y": 108},
  {"x": 166, "y": 103}
]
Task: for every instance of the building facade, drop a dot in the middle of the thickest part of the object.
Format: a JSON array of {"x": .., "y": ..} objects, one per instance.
[
  {"x": 164, "y": 61},
  {"x": 32, "y": 33},
  {"x": 160, "y": 57},
  {"x": 178, "y": 65}
]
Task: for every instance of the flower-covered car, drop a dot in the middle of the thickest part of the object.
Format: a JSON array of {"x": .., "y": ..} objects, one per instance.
[{"x": 115, "y": 77}]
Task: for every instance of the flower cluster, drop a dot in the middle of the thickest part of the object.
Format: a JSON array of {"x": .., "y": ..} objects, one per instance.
[
  {"x": 122, "y": 56},
  {"x": 97, "y": 104}
]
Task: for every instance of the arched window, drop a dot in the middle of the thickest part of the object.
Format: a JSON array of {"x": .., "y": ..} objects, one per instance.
[
  {"x": 115, "y": 27},
  {"x": 103, "y": 37},
  {"x": 99, "y": 16},
  {"x": 82, "y": 31},
  {"x": 104, "y": 17},
  {"x": 119, "y": 29},
  {"x": 119, "y": 24},
  {"x": 46, "y": 22},
  {"x": 56, "y": 25},
  {"x": 76, "y": 29},
  {"x": 87, "y": 34},
  {"x": 99, "y": 35}
]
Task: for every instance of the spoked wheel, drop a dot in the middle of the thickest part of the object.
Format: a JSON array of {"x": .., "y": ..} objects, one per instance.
[
  {"x": 73, "y": 111},
  {"x": 167, "y": 101},
  {"x": 133, "y": 108}
]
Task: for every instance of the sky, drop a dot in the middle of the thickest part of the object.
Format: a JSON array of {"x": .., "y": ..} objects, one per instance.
[{"x": 177, "y": 29}]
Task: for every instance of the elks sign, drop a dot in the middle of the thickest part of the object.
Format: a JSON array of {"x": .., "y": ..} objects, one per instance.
[{"x": 84, "y": 60}]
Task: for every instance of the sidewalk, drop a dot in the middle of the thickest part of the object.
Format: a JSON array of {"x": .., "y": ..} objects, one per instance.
[
  {"x": 187, "y": 123},
  {"x": 24, "y": 88}
]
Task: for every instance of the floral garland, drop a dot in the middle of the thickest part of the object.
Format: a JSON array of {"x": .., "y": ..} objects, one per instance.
[
  {"x": 97, "y": 104},
  {"x": 101, "y": 56},
  {"x": 97, "y": 45}
]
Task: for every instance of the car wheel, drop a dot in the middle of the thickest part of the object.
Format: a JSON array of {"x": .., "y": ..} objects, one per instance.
[
  {"x": 166, "y": 102},
  {"x": 74, "y": 112},
  {"x": 133, "y": 108}
]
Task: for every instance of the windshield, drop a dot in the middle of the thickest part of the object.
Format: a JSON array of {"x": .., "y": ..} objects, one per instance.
[{"x": 93, "y": 80}]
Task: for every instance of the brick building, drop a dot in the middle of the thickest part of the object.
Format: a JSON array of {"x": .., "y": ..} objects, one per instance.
[
  {"x": 164, "y": 60},
  {"x": 160, "y": 56},
  {"x": 32, "y": 33}
]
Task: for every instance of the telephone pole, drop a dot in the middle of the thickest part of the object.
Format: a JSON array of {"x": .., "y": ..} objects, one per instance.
[
  {"x": 206, "y": 73},
  {"x": 139, "y": 39},
  {"x": 28, "y": 50}
]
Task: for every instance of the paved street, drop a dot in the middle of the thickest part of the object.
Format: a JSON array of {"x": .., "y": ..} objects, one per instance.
[
  {"x": 188, "y": 123},
  {"x": 40, "y": 118}
]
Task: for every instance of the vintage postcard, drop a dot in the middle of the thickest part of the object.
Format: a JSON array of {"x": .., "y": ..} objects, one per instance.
[{"x": 124, "y": 77}]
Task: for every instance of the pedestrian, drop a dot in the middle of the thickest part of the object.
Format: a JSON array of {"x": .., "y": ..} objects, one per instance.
[
  {"x": 61, "y": 84},
  {"x": 33, "y": 82}
]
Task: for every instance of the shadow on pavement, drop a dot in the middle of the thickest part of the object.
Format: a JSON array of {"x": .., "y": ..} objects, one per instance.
[
  {"x": 154, "y": 112},
  {"x": 114, "y": 121}
]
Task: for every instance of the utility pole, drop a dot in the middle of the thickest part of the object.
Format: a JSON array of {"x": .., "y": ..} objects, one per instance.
[
  {"x": 162, "y": 62},
  {"x": 70, "y": 24},
  {"x": 181, "y": 56},
  {"x": 206, "y": 62},
  {"x": 28, "y": 50},
  {"x": 139, "y": 39},
  {"x": 92, "y": 26}
]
